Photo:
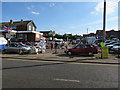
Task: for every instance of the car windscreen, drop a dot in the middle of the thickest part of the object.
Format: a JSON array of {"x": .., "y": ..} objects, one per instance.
[
  {"x": 107, "y": 41},
  {"x": 116, "y": 44}
]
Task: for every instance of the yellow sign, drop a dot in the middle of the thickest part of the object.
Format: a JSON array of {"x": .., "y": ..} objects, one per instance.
[
  {"x": 105, "y": 52},
  {"x": 102, "y": 44}
]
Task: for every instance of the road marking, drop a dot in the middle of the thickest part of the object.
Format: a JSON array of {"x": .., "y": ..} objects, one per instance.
[
  {"x": 96, "y": 64},
  {"x": 61, "y": 62},
  {"x": 32, "y": 60},
  {"x": 67, "y": 80}
]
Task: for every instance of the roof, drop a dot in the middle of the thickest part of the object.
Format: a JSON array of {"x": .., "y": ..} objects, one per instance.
[
  {"x": 46, "y": 31},
  {"x": 17, "y": 23},
  {"x": 22, "y": 31},
  {"x": 29, "y": 32},
  {"x": 7, "y": 31},
  {"x": 99, "y": 31}
]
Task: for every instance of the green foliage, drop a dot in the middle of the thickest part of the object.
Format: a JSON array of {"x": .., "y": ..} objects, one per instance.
[
  {"x": 48, "y": 35},
  {"x": 58, "y": 36},
  {"x": 70, "y": 36}
]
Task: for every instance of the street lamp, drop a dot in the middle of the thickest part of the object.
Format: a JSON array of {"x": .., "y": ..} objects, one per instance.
[{"x": 104, "y": 21}]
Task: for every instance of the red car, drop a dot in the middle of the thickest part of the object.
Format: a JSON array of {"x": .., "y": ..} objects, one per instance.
[{"x": 82, "y": 49}]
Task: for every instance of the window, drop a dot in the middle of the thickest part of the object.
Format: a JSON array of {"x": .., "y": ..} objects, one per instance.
[
  {"x": 37, "y": 35},
  {"x": 13, "y": 45},
  {"x": 29, "y": 27},
  {"x": 79, "y": 46},
  {"x": 13, "y": 27},
  {"x": 20, "y": 36},
  {"x": 86, "y": 46},
  {"x": 33, "y": 28},
  {"x": 26, "y": 37}
]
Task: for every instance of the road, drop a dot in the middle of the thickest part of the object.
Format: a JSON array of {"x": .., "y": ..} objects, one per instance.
[{"x": 19, "y": 73}]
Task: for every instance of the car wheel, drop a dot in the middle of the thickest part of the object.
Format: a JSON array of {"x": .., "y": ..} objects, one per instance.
[
  {"x": 90, "y": 53},
  {"x": 5, "y": 51},
  {"x": 69, "y": 53}
]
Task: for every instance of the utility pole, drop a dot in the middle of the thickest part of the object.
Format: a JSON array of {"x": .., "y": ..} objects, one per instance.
[
  {"x": 104, "y": 21},
  {"x": 87, "y": 30}
]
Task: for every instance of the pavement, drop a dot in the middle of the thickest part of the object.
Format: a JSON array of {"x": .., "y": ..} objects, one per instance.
[{"x": 62, "y": 57}]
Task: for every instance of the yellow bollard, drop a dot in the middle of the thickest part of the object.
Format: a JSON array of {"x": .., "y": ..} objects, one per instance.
[{"x": 105, "y": 52}]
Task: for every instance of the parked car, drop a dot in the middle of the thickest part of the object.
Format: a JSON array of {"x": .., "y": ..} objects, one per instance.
[
  {"x": 115, "y": 39},
  {"x": 16, "y": 48},
  {"x": 107, "y": 42},
  {"x": 110, "y": 45},
  {"x": 38, "y": 49},
  {"x": 82, "y": 49},
  {"x": 116, "y": 47}
]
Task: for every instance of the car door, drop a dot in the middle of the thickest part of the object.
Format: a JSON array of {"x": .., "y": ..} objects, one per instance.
[
  {"x": 13, "y": 48},
  {"x": 86, "y": 49},
  {"x": 80, "y": 50},
  {"x": 77, "y": 50},
  {"x": 74, "y": 50}
]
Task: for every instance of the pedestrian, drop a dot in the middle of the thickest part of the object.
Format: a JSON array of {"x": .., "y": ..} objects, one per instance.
[
  {"x": 51, "y": 45},
  {"x": 9, "y": 42},
  {"x": 21, "y": 50},
  {"x": 34, "y": 49},
  {"x": 56, "y": 47}
]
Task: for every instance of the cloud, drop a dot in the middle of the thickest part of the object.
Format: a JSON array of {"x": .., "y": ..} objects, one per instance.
[
  {"x": 110, "y": 7},
  {"x": 72, "y": 27},
  {"x": 113, "y": 18},
  {"x": 36, "y": 13},
  {"x": 53, "y": 26},
  {"x": 116, "y": 28},
  {"x": 51, "y": 4},
  {"x": 28, "y": 8},
  {"x": 100, "y": 21}
]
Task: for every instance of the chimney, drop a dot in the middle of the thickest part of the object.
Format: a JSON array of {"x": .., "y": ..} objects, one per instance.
[
  {"x": 21, "y": 20},
  {"x": 11, "y": 21}
]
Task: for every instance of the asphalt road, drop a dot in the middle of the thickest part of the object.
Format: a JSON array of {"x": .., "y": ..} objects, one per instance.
[{"x": 40, "y": 74}]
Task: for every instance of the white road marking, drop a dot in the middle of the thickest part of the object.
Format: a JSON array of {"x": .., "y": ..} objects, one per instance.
[{"x": 67, "y": 80}]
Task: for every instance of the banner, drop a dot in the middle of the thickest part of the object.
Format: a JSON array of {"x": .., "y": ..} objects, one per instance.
[{"x": 43, "y": 45}]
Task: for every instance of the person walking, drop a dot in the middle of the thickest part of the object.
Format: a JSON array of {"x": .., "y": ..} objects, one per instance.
[
  {"x": 51, "y": 45},
  {"x": 56, "y": 47}
]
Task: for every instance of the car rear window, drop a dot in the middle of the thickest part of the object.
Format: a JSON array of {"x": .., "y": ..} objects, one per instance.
[
  {"x": 117, "y": 45},
  {"x": 86, "y": 46}
]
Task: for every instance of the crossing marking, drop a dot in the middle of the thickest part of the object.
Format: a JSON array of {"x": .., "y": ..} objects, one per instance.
[
  {"x": 67, "y": 80},
  {"x": 61, "y": 62}
]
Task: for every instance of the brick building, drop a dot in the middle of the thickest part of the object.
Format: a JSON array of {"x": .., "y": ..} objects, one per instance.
[
  {"x": 99, "y": 34},
  {"x": 112, "y": 34},
  {"x": 109, "y": 34},
  {"x": 45, "y": 33},
  {"x": 48, "y": 35},
  {"x": 25, "y": 31},
  {"x": 89, "y": 35}
]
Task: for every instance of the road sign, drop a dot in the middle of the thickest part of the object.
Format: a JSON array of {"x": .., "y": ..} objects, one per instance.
[{"x": 102, "y": 44}]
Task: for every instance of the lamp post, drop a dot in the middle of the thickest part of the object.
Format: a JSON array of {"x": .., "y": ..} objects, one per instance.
[
  {"x": 104, "y": 21},
  {"x": 104, "y": 24}
]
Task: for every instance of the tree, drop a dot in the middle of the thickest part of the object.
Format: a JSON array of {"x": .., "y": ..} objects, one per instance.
[{"x": 47, "y": 35}]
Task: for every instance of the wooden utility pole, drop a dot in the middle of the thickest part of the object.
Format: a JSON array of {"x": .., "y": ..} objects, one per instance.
[{"x": 104, "y": 21}]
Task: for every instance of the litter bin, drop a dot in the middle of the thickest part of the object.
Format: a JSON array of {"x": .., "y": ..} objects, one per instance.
[{"x": 2, "y": 47}]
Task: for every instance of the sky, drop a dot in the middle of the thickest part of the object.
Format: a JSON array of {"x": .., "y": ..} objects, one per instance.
[{"x": 63, "y": 17}]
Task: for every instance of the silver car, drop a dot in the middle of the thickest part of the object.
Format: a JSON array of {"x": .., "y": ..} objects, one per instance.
[
  {"x": 116, "y": 47},
  {"x": 16, "y": 48}
]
